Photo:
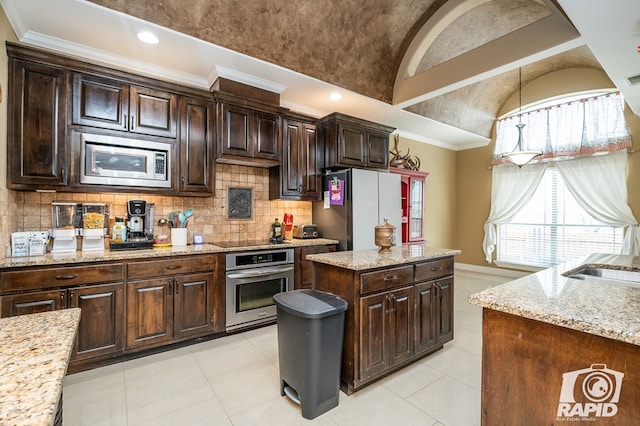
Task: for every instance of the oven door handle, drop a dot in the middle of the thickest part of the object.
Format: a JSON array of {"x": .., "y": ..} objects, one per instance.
[{"x": 258, "y": 273}]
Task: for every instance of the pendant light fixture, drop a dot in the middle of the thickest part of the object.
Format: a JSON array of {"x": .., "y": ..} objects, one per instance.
[{"x": 518, "y": 156}]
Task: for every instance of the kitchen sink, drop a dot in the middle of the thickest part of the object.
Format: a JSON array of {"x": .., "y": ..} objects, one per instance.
[{"x": 629, "y": 278}]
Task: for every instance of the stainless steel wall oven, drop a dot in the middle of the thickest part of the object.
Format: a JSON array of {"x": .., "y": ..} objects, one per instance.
[{"x": 252, "y": 279}]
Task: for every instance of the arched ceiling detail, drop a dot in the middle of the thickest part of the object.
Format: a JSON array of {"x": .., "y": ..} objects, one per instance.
[{"x": 487, "y": 21}]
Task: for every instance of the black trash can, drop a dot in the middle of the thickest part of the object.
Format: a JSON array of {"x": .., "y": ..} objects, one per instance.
[{"x": 310, "y": 332}]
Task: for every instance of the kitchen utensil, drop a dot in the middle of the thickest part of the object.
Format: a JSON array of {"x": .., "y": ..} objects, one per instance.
[
  {"x": 182, "y": 218},
  {"x": 188, "y": 213}
]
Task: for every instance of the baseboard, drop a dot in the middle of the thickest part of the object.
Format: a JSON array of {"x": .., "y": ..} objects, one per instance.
[{"x": 487, "y": 273}]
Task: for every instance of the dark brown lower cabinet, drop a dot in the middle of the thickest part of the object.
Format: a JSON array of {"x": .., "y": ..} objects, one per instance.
[
  {"x": 386, "y": 330},
  {"x": 433, "y": 314},
  {"x": 101, "y": 328},
  {"x": 395, "y": 316},
  {"x": 304, "y": 267},
  {"x": 163, "y": 309}
]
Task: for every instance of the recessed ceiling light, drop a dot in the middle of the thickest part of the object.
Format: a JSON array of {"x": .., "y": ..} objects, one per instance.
[
  {"x": 335, "y": 96},
  {"x": 147, "y": 37}
]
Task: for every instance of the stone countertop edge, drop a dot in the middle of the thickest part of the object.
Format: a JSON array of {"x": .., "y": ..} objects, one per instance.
[
  {"x": 108, "y": 255},
  {"x": 34, "y": 356},
  {"x": 359, "y": 260},
  {"x": 603, "y": 309}
]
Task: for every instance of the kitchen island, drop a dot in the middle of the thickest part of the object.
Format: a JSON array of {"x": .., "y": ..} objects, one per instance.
[
  {"x": 563, "y": 345},
  {"x": 400, "y": 306},
  {"x": 33, "y": 360}
]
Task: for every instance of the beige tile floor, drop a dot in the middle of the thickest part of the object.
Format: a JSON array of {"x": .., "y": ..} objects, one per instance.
[{"x": 234, "y": 380}]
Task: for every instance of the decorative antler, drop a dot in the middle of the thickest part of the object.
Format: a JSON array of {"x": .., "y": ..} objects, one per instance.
[{"x": 402, "y": 161}]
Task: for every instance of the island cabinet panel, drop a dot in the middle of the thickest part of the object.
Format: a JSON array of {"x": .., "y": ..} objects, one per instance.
[
  {"x": 393, "y": 318},
  {"x": 536, "y": 373}
]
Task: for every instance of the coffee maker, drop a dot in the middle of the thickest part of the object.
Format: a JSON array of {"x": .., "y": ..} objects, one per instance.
[{"x": 140, "y": 216}]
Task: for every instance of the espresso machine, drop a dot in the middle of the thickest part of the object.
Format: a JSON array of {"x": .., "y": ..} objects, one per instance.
[{"x": 140, "y": 216}]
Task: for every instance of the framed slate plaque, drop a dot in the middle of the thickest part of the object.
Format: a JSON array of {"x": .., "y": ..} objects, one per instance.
[{"x": 239, "y": 203}]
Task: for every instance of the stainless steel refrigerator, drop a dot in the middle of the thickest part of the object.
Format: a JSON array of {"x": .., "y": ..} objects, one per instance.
[{"x": 368, "y": 198}]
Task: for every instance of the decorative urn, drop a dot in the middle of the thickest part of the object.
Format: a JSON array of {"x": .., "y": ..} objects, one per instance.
[{"x": 385, "y": 236}]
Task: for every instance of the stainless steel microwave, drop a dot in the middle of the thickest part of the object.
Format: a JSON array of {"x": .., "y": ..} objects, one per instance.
[{"x": 110, "y": 160}]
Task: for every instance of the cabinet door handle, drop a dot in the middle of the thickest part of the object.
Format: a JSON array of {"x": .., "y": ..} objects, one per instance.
[
  {"x": 124, "y": 121},
  {"x": 62, "y": 304},
  {"x": 132, "y": 122},
  {"x": 391, "y": 278},
  {"x": 174, "y": 267},
  {"x": 63, "y": 174},
  {"x": 66, "y": 277},
  {"x": 171, "y": 288}
]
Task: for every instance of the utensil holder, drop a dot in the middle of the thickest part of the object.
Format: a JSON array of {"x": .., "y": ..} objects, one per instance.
[{"x": 178, "y": 237}]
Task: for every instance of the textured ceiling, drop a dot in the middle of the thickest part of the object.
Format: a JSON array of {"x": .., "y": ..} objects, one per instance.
[
  {"x": 360, "y": 44},
  {"x": 353, "y": 44}
]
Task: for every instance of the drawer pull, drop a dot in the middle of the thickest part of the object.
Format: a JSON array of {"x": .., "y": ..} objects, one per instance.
[
  {"x": 66, "y": 277},
  {"x": 391, "y": 278},
  {"x": 172, "y": 267},
  {"x": 437, "y": 268}
]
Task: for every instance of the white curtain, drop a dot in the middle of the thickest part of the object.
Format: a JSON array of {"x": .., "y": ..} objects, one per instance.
[
  {"x": 599, "y": 185},
  {"x": 511, "y": 189},
  {"x": 579, "y": 127}
]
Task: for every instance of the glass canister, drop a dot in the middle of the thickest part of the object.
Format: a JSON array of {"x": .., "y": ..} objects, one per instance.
[{"x": 65, "y": 215}]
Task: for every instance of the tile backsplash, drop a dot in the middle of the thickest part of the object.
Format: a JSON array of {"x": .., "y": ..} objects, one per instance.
[{"x": 31, "y": 211}]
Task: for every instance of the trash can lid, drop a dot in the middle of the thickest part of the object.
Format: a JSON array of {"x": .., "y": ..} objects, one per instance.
[{"x": 310, "y": 303}]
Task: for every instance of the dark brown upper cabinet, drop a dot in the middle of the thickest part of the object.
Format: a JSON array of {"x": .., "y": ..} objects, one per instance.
[
  {"x": 53, "y": 98},
  {"x": 299, "y": 176},
  {"x": 116, "y": 105},
  {"x": 197, "y": 165},
  {"x": 248, "y": 132},
  {"x": 36, "y": 130},
  {"x": 353, "y": 142}
]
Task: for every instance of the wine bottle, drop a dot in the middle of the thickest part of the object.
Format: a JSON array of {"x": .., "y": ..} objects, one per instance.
[{"x": 276, "y": 229}]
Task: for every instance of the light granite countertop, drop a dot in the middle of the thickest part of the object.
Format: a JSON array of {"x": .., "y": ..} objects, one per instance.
[
  {"x": 108, "y": 255},
  {"x": 599, "y": 307},
  {"x": 359, "y": 260},
  {"x": 34, "y": 355}
]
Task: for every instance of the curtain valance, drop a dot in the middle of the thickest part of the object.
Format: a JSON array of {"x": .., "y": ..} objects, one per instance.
[{"x": 581, "y": 127}]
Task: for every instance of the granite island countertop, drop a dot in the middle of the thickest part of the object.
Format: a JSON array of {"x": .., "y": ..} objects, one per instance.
[
  {"x": 606, "y": 309},
  {"x": 359, "y": 260},
  {"x": 34, "y": 355},
  {"x": 108, "y": 255}
]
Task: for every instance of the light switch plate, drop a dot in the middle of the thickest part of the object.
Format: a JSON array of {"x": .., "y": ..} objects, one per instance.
[{"x": 197, "y": 239}]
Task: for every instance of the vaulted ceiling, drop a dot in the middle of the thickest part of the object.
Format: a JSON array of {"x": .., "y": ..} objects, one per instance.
[{"x": 438, "y": 70}]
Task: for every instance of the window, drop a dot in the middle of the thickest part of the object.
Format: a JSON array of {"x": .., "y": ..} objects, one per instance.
[{"x": 552, "y": 228}]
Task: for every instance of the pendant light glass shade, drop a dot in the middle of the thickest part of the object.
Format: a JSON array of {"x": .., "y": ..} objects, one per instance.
[{"x": 518, "y": 156}]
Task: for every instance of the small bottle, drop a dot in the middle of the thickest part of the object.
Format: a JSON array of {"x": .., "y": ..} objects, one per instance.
[{"x": 277, "y": 229}]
